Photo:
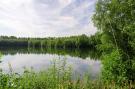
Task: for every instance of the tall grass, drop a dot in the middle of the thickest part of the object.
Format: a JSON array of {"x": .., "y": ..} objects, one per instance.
[{"x": 58, "y": 76}]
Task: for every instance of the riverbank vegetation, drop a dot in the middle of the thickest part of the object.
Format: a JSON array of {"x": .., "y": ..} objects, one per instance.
[
  {"x": 115, "y": 20},
  {"x": 58, "y": 76}
]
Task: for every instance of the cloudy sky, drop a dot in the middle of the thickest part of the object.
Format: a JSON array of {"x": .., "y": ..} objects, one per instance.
[{"x": 43, "y": 18}]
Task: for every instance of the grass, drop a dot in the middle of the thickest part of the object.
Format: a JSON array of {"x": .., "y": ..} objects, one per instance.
[{"x": 58, "y": 76}]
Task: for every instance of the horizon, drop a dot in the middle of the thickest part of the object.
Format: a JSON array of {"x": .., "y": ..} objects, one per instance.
[
  {"x": 46, "y": 18},
  {"x": 46, "y": 37}
]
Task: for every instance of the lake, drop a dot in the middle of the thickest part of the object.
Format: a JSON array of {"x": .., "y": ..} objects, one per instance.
[{"x": 41, "y": 59}]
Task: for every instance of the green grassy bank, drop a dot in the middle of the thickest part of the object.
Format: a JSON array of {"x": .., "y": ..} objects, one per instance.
[{"x": 56, "y": 77}]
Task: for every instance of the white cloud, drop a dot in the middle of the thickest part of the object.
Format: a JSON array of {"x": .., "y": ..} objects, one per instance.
[
  {"x": 42, "y": 18},
  {"x": 65, "y": 2}
]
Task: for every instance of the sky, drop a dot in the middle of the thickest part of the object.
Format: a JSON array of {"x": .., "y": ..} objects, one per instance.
[{"x": 46, "y": 18}]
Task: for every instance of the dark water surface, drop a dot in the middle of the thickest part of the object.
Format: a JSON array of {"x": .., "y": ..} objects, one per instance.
[{"x": 40, "y": 59}]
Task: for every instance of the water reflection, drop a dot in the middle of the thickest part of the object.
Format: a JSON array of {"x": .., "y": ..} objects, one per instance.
[
  {"x": 42, "y": 59},
  {"x": 83, "y": 53}
]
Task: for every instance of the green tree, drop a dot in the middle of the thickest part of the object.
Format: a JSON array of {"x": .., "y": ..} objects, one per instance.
[{"x": 115, "y": 19}]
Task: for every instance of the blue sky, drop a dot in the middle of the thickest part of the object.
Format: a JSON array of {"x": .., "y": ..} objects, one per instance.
[{"x": 43, "y": 18}]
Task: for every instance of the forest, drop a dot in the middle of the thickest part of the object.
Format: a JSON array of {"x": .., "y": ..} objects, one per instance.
[{"x": 75, "y": 42}]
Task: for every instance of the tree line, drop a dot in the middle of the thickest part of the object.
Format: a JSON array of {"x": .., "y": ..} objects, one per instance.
[{"x": 77, "y": 42}]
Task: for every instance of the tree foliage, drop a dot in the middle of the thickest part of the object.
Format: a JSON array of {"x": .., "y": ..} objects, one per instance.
[{"x": 115, "y": 19}]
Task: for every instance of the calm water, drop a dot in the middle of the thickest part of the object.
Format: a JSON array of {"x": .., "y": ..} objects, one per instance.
[{"x": 41, "y": 60}]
